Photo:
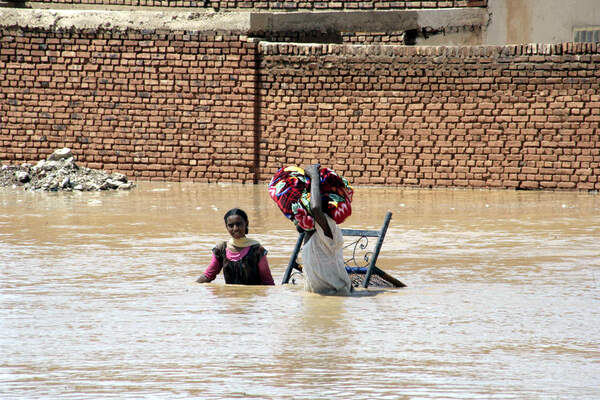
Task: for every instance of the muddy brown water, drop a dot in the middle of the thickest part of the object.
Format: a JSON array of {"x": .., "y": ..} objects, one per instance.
[{"x": 98, "y": 300}]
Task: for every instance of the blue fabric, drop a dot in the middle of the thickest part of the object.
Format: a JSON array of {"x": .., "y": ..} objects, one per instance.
[{"x": 356, "y": 270}]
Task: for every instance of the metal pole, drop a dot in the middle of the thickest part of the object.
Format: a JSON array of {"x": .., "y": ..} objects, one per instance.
[
  {"x": 382, "y": 233},
  {"x": 292, "y": 263}
]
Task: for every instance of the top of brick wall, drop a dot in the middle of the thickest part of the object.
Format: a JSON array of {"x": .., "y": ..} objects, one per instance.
[
  {"x": 460, "y": 52},
  {"x": 298, "y": 5}
]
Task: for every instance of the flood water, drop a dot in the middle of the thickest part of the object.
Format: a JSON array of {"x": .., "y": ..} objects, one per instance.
[{"x": 98, "y": 300}]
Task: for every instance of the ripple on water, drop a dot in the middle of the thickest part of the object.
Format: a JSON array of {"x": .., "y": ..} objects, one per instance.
[{"x": 99, "y": 300}]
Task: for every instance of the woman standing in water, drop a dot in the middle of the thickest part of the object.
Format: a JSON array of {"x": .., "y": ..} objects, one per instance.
[{"x": 243, "y": 260}]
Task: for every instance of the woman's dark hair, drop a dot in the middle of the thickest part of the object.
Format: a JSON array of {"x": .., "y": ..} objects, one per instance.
[{"x": 240, "y": 212}]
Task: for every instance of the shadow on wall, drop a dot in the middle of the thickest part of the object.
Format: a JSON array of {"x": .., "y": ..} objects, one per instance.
[{"x": 399, "y": 27}]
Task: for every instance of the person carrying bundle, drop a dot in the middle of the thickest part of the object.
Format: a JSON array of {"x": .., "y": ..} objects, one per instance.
[{"x": 317, "y": 200}]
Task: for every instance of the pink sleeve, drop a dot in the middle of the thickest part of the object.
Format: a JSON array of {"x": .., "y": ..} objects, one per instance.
[
  {"x": 213, "y": 268},
  {"x": 264, "y": 271}
]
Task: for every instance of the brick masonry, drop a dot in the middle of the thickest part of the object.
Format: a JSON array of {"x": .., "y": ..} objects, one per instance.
[
  {"x": 396, "y": 37},
  {"x": 302, "y": 5},
  {"x": 515, "y": 117},
  {"x": 155, "y": 105},
  {"x": 221, "y": 107}
]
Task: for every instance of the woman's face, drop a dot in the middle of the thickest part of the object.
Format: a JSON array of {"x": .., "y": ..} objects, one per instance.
[{"x": 236, "y": 226}]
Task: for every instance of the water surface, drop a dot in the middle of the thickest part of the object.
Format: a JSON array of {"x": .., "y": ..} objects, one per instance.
[{"x": 98, "y": 299}]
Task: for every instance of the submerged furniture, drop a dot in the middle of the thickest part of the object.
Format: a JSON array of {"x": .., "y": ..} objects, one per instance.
[{"x": 361, "y": 266}]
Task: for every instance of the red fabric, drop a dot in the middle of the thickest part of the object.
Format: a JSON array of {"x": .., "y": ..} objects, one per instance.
[{"x": 290, "y": 189}]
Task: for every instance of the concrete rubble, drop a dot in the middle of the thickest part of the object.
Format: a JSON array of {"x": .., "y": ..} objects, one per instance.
[{"x": 60, "y": 173}]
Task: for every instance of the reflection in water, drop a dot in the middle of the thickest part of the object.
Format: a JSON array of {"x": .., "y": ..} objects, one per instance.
[{"x": 98, "y": 299}]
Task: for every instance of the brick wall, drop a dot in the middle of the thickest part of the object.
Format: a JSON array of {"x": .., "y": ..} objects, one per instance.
[
  {"x": 302, "y": 5},
  {"x": 309, "y": 36},
  {"x": 522, "y": 117},
  {"x": 155, "y": 105},
  {"x": 396, "y": 37},
  {"x": 184, "y": 106}
]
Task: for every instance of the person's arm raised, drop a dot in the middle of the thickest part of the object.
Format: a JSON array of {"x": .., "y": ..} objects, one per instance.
[{"x": 315, "y": 198}]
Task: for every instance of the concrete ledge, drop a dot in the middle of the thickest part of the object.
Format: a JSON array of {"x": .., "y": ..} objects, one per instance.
[
  {"x": 208, "y": 20},
  {"x": 122, "y": 20},
  {"x": 369, "y": 21}
]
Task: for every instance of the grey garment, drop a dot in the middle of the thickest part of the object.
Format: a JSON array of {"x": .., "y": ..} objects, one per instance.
[{"x": 323, "y": 262}]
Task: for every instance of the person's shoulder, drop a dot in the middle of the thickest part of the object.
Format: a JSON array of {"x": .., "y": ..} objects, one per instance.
[
  {"x": 260, "y": 248},
  {"x": 332, "y": 224},
  {"x": 220, "y": 246},
  {"x": 330, "y": 219}
]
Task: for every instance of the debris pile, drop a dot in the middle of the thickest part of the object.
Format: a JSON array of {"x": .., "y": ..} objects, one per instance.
[{"x": 60, "y": 173}]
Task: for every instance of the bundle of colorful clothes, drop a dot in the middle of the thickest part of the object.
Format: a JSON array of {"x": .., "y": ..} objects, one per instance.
[{"x": 290, "y": 189}]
